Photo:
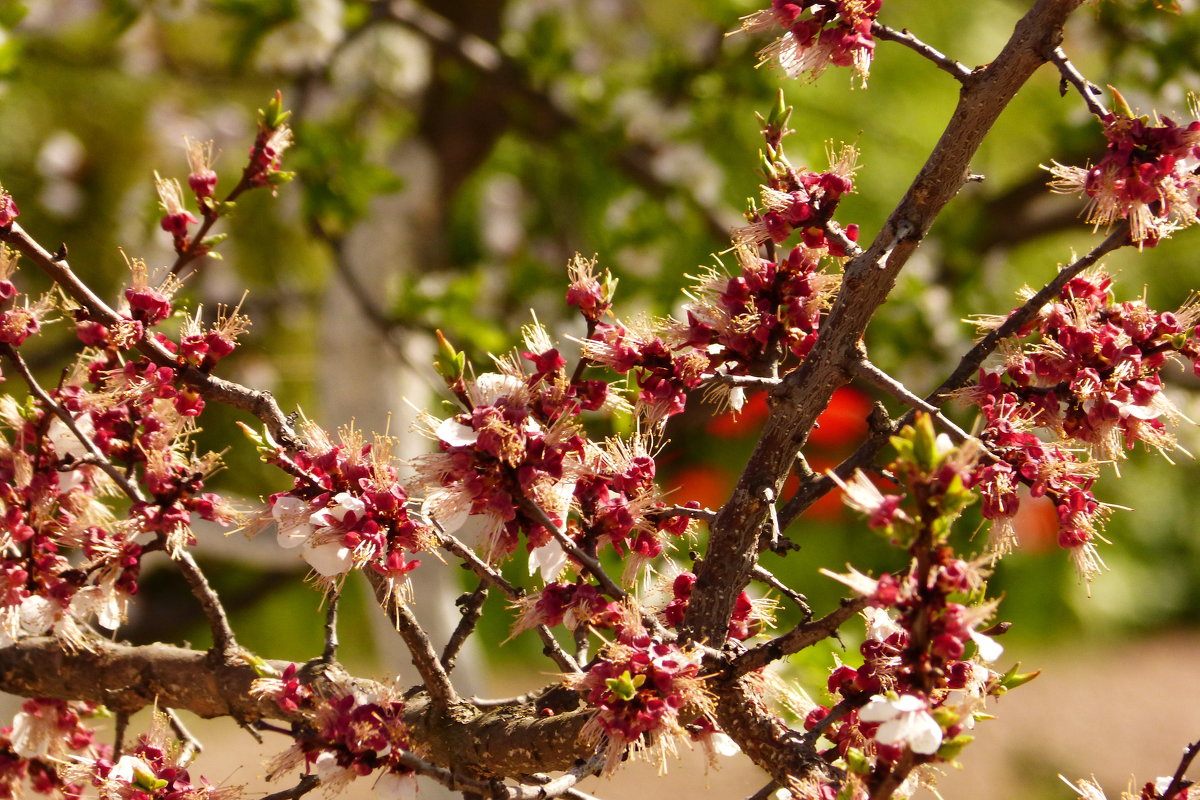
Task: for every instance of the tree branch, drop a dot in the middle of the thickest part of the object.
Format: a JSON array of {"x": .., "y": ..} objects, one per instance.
[
  {"x": 260, "y": 404},
  {"x": 424, "y": 658},
  {"x": 867, "y": 280},
  {"x": 956, "y": 70}
]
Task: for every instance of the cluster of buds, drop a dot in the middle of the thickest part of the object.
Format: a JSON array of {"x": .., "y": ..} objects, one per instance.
[
  {"x": 273, "y": 138},
  {"x": 20, "y": 317},
  {"x": 640, "y": 690},
  {"x": 346, "y": 733},
  {"x": 798, "y": 199},
  {"x": 1087, "y": 377},
  {"x": 743, "y": 320},
  {"x": 666, "y": 373},
  {"x": 66, "y": 556},
  {"x": 1146, "y": 176},
  {"x": 818, "y": 34},
  {"x": 922, "y": 679},
  {"x": 570, "y": 604},
  {"x": 154, "y": 769},
  {"x": 347, "y": 508},
  {"x": 43, "y": 735},
  {"x": 516, "y": 458}
]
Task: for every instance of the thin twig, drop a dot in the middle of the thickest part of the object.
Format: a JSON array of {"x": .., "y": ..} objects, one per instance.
[
  {"x": 550, "y": 645},
  {"x": 1178, "y": 781},
  {"x": 1089, "y": 91},
  {"x": 705, "y": 514},
  {"x": 803, "y": 635},
  {"x": 849, "y": 246},
  {"x": 1022, "y": 316},
  {"x": 841, "y": 709},
  {"x": 261, "y": 404},
  {"x": 191, "y": 746},
  {"x": 331, "y": 635},
  {"x": 471, "y": 607},
  {"x": 433, "y": 674},
  {"x": 945, "y": 63},
  {"x": 589, "y": 563},
  {"x": 121, "y": 726},
  {"x": 476, "y": 564},
  {"x": 742, "y": 380},
  {"x": 96, "y": 457},
  {"x": 307, "y": 784},
  {"x": 761, "y": 573},
  {"x": 224, "y": 641},
  {"x": 876, "y": 377}
]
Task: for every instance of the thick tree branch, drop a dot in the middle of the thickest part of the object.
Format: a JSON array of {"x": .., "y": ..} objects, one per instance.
[{"x": 508, "y": 741}]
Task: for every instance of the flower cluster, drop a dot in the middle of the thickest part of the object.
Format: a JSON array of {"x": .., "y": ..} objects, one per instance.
[
  {"x": 347, "y": 508},
  {"x": 818, "y": 34},
  {"x": 1146, "y": 176},
  {"x": 639, "y": 690},
  {"x": 922, "y": 679},
  {"x": 1087, "y": 377},
  {"x": 154, "y": 769},
  {"x": 43, "y": 735},
  {"x": 740, "y": 320},
  {"x": 347, "y": 733},
  {"x": 516, "y": 458},
  {"x": 273, "y": 138}
]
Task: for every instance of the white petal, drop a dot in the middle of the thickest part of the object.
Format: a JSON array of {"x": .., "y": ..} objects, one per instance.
[
  {"x": 989, "y": 648},
  {"x": 549, "y": 558},
  {"x": 879, "y": 709},
  {"x": 23, "y": 737},
  {"x": 908, "y": 702},
  {"x": 37, "y": 615},
  {"x": 450, "y": 508},
  {"x": 287, "y": 507},
  {"x": 392, "y": 786},
  {"x": 293, "y": 535},
  {"x": 456, "y": 434},
  {"x": 329, "y": 559},
  {"x": 722, "y": 745}
]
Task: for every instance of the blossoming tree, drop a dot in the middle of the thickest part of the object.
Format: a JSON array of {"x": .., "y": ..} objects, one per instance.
[{"x": 639, "y": 598}]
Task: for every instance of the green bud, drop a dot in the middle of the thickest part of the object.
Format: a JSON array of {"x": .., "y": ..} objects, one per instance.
[
  {"x": 280, "y": 177},
  {"x": 952, "y": 748},
  {"x": 1120, "y": 104},
  {"x": 857, "y": 761},
  {"x": 260, "y": 666},
  {"x": 448, "y": 362},
  {"x": 925, "y": 449},
  {"x": 626, "y": 686},
  {"x": 213, "y": 241},
  {"x": 273, "y": 115},
  {"x": 1012, "y": 679}
]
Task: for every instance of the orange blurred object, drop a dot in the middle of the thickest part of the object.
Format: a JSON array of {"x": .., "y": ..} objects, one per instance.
[{"x": 844, "y": 420}]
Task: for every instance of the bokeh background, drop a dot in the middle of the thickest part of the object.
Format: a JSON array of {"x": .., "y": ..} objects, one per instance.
[{"x": 452, "y": 156}]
